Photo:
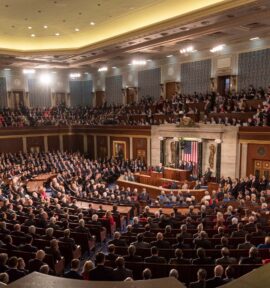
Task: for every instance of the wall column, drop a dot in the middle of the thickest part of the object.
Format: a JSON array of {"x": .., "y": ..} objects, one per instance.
[
  {"x": 85, "y": 143},
  {"x": 95, "y": 147},
  {"x": 149, "y": 152},
  {"x": 109, "y": 146},
  {"x": 176, "y": 156},
  {"x": 61, "y": 144},
  {"x": 162, "y": 150},
  {"x": 200, "y": 158},
  {"x": 24, "y": 145},
  {"x": 243, "y": 164},
  {"x": 131, "y": 156},
  {"x": 46, "y": 143},
  {"x": 218, "y": 159}
]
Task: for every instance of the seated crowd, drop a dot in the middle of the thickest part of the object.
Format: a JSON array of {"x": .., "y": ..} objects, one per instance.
[
  {"x": 221, "y": 237},
  {"x": 149, "y": 112}
]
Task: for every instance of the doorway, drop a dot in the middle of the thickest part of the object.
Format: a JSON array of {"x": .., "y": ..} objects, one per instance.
[
  {"x": 262, "y": 168},
  {"x": 223, "y": 84}
]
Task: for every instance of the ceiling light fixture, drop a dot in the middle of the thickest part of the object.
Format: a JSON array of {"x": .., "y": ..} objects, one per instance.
[
  {"x": 77, "y": 29},
  {"x": 57, "y": 34},
  {"x": 188, "y": 49},
  {"x": 114, "y": 67},
  {"x": 45, "y": 79},
  {"x": 254, "y": 38},
  {"x": 45, "y": 26},
  {"x": 217, "y": 48},
  {"x": 92, "y": 23},
  {"x": 138, "y": 62},
  {"x": 75, "y": 75},
  {"x": 29, "y": 27},
  {"x": 33, "y": 35},
  {"x": 103, "y": 69},
  {"x": 7, "y": 69},
  {"x": 29, "y": 71},
  {"x": 169, "y": 56}
]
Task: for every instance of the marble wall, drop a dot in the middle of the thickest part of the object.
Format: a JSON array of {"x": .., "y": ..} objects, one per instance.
[{"x": 209, "y": 134}]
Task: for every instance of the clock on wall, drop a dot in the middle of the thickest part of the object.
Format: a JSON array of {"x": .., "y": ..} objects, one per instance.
[{"x": 261, "y": 151}]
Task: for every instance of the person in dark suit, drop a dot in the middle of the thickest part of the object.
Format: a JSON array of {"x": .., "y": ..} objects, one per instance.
[
  {"x": 82, "y": 229},
  {"x": 180, "y": 243},
  {"x": 147, "y": 231},
  {"x": 132, "y": 257},
  {"x": 140, "y": 243},
  {"x": 179, "y": 258},
  {"x": 160, "y": 168},
  {"x": 160, "y": 243},
  {"x": 225, "y": 259},
  {"x": 120, "y": 273},
  {"x": 73, "y": 272},
  {"x": 54, "y": 250},
  {"x": 28, "y": 247},
  {"x": 247, "y": 244},
  {"x": 202, "y": 241},
  {"x": 229, "y": 274},
  {"x": 202, "y": 259},
  {"x": 117, "y": 241},
  {"x": 154, "y": 258},
  {"x": 68, "y": 239},
  {"x": 217, "y": 279},
  {"x": 253, "y": 257},
  {"x": 101, "y": 272},
  {"x": 13, "y": 272},
  {"x": 201, "y": 282},
  {"x": 3, "y": 262},
  {"x": 17, "y": 231},
  {"x": 111, "y": 256},
  {"x": 240, "y": 233},
  {"x": 37, "y": 262},
  {"x": 9, "y": 243}
]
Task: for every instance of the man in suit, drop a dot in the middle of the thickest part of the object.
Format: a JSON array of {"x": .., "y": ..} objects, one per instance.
[
  {"x": 111, "y": 256},
  {"x": 184, "y": 232},
  {"x": 247, "y": 244},
  {"x": 225, "y": 259},
  {"x": 201, "y": 282},
  {"x": 82, "y": 229},
  {"x": 240, "y": 233},
  {"x": 17, "y": 231},
  {"x": 73, "y": 272},
  {"x": 140, "y": 243},
  {"x": 67, "y": 239},
  {"x": 28, "y": 247},
  {"x": 202, "y": 241},
  {"x": 217, "y": 279},
  {"x": 160, "y": 243},
  {"x": 131, "y": 257},
  {"x": 35, "y": 264},
  {"x": 179, "y": 258},
  {"x": 117, "y": 241},
  {"x": 101, "y": 272},
  {"x": 202, "y": 259},
  {"x": 120, "y": 273},
  {"x": 253, "y": 257},
  {"x": 3, "y": 262},
  {"x": 147, "y": 231},
  {"x": 154, "y": 258},
  {"x": 13, "y": 272}
]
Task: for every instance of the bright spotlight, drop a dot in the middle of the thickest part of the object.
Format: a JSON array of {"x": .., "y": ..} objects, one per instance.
[
  {"x": 29, "y": 71},
  {"x": 45, "y": 79}
]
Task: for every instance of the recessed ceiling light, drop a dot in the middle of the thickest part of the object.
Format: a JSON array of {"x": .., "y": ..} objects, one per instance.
[
  {"x": 92, "y": 23},
  {"x": 57, "y": 34},
  {"x": 217, "y": 48},
  {"x": 77, "y": 29},
  {"x": 114, "y": 67},
  {"x": 7, "y": 69},
  {"x": 33, "y": 35},
  {"x": 254, "y": 38},
  {"x": 29, "y": 27},
  {"x": 45, "y": 26},
  {"x": 169, "y": 56}
]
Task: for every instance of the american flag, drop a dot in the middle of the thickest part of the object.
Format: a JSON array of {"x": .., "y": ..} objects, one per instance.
[{"x": 190, "y": 151}]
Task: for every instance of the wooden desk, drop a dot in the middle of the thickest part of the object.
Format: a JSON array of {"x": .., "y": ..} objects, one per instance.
[
  {"x": 155, "y": 191},
  {"x": 123, "y": 210},
  {"x": 176, "y": 174},
  {"x": 35, "y": 183}
]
